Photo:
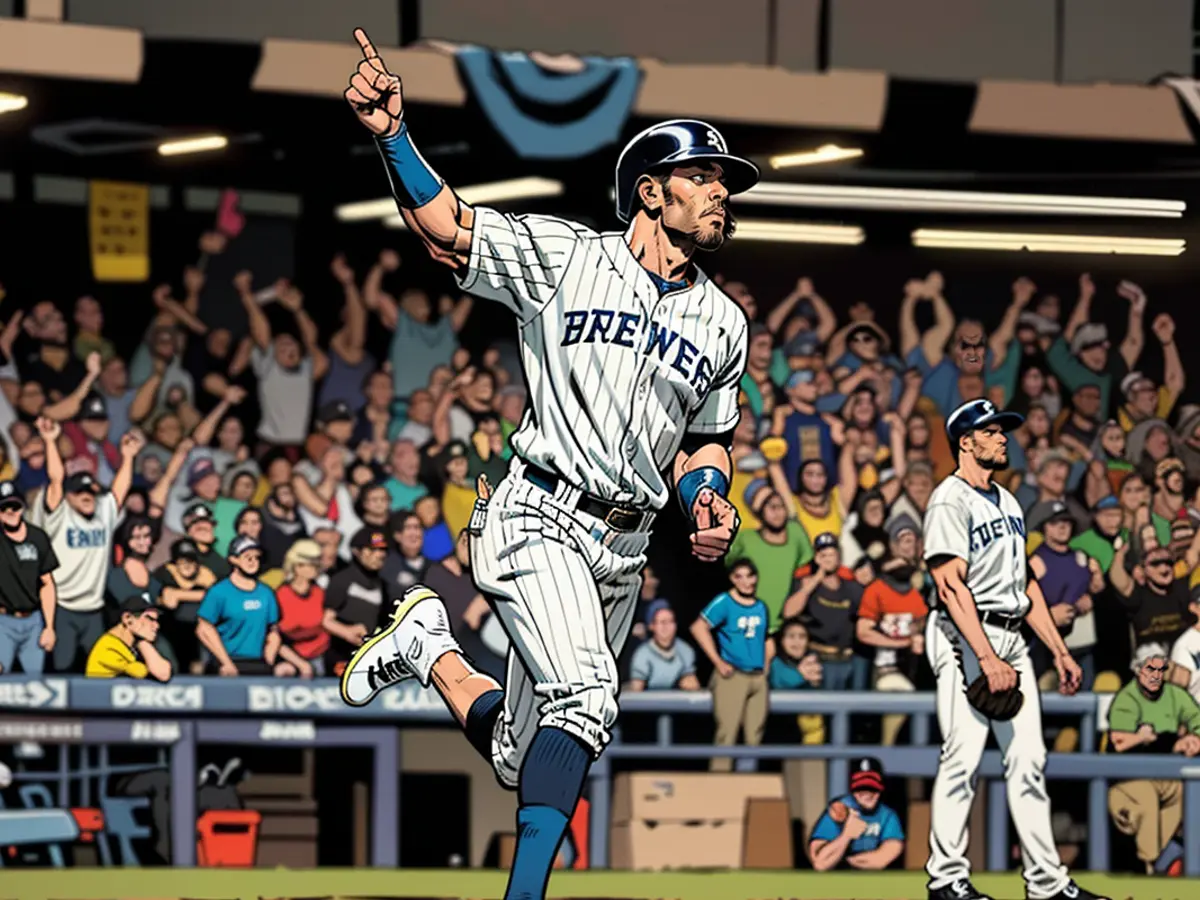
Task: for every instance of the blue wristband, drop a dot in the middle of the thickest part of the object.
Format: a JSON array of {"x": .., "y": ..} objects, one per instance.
[
  {"x": 692, "y": 483},
  {"x": 413, "y": 183}
]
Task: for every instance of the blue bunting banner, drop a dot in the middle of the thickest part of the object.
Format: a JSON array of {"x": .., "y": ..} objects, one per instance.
[{"x": 551, "y": 115}]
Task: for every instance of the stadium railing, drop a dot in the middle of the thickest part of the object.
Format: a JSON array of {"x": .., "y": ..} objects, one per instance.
[{"x": 190, "y": 711}]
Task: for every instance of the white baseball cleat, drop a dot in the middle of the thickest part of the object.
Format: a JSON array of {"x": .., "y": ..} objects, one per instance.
[{"x": 406, "y": 647}]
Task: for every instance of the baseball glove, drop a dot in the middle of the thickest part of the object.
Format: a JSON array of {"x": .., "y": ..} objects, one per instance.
[{"x": 1000, "y": 706}]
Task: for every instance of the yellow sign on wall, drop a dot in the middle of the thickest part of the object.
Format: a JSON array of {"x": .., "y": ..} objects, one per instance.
[{"x": 119, "y": 228}]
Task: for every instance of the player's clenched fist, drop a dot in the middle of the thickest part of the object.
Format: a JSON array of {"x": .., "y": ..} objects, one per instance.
[
  {"x": 716, "y": 524},
  {"x": 374, "y": 92},
  {"x": 1000, "y": 675}
]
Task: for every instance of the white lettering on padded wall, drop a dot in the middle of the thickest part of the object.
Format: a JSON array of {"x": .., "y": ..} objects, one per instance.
[{"x": 157, "y": 696}]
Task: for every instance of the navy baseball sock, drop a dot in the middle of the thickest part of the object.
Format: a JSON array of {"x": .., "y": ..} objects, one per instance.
[
  {"x": 551, "y": 783},
  {"x": 481, "y": 721}
]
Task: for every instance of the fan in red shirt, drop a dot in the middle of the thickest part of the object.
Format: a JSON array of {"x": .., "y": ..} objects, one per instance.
[
  {"x": 891, "y": 617},
  {"x": 302, "y": 604}
]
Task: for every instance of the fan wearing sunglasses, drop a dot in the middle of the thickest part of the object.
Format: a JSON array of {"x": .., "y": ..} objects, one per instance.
[
  {"x": 28, "y": 598},
  {"x": 1155, "y": 600}
]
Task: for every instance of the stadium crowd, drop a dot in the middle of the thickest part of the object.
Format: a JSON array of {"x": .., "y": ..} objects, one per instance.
[{"x": 252, "y": 505}]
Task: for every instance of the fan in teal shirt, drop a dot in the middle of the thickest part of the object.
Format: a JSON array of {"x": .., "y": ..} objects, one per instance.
[
  {"x": 242, "y": 618},
  {"x": 740, "y": 630}
]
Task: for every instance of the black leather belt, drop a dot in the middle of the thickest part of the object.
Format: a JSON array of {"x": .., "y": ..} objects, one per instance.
[
  {"x": 618, "y": 518},
  {"x": 999, "y": 620}
]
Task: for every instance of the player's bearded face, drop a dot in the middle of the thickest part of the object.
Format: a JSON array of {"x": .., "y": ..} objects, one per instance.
[
  {"x": 697, "y": 211},
  {"x": 990, "y": 449}
]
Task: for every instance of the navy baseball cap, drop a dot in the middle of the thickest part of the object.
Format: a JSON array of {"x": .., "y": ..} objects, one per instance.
[
  {"x": 197, "y": 512},
  {"x": 81, "y": 483},
  {"x": 185, "y": 548},
  {"x": 976, "y": 414},
  {"x": 138, "y": 604},
  {"x": 825, "y": 541},
  {"x": 9, "y": 495},
  {"x": 94, "y": 408},
  {"x": 243, "y": 543},
  {"x": 867, "y": 775}
]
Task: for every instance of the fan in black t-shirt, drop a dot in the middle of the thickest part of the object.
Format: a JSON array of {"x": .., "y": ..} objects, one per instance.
[
  {"x": 27, "y": 562},
  {"x": 1158, "y": 608},
  {"x": 354, "y": 599}
]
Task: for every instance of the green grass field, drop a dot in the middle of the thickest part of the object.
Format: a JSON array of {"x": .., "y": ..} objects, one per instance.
[{"x": 252, "y": 884}]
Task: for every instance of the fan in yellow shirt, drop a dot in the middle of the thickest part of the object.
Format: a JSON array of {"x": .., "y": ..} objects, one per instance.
[{"x": 114, "y": 653}]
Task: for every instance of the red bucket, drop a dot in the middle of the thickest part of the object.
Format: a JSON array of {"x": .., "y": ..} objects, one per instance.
[{"x": 227, "y": 838}]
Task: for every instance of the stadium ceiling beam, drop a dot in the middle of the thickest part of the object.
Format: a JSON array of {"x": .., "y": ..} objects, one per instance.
[
  {"x": 842, "y": 100},
  {"x": 63, "y": 50}
]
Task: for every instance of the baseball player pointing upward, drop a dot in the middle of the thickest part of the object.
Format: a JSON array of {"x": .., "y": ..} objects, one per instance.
[
  {"x": 975, "y": 545},
  {"x": 633, "y": 359}
]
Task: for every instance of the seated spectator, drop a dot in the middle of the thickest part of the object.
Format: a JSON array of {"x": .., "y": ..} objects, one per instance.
[
  {"x": 858, "y": 830},
  {"x": 374, "y": 504},
  {"x": 458, "y": 493},
  {"x": 405, "y": 564},
  {"x": 185, "y": 581},
  {"x": 827, "y": 598},
  {"x": 128, "y": 648},
  {"x": 891, "y": 618},
  {"x": 302, "y": 604},
  {"x": 732, "y": 632},
  {"x": 1149, "y": 715},
  {"x": 1068, "y": 583},
  {"x": 249, "y": 523},
  {"x": 437, "y": 543},
  {"x": 132, "y": 578},
  {"x": 794, "y": 667},
  {"x": 664, "y": 661},
  {"x": 404, "y": 485},
  {"x": 354, "y": 599},
  {"x": 1097, "y": 542},
  {"x": 199, "y": 527},
  {"x": 778, "y": 547},
  {"x": 282, "y": 526},
  {"x": 238, "y": 622}
]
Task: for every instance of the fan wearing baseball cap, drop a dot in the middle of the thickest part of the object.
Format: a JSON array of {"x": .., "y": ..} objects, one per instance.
[
  {"x": 80, "y": 519},
  {"x": 858, "y": 831},
  {"x": 27, "y": 590},
  {"x": 238, "y": 621},
  {"x": 128, "y": 647},
  {"x": 354, "y": 600}
]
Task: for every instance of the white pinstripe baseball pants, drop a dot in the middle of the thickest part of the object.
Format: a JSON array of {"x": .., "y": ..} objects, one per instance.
[{"x": 565, "y": 587}]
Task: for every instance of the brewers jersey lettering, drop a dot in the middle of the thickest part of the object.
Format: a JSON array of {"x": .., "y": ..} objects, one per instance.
[
  {"x": 616, "y": 373},
  {"x": 988, "y": 532}
]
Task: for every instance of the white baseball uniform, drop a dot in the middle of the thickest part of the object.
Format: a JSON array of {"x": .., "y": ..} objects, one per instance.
[
  {"x": 987, "y": 531},
  {"x": 617, "y": 374}
]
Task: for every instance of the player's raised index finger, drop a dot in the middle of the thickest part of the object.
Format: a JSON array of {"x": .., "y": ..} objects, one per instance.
[{"x": 364, "y": 42}]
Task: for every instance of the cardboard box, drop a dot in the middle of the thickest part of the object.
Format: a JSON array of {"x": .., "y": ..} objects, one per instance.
[
  {"x": 767, "y": 838},
  {"x": 690, "y": 796},
  {"x": 645, "y": 845}
]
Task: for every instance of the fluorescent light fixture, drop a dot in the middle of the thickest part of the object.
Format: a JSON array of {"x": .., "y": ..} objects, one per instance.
[
  {"x": 193, "y": 145},
  {"x": 922, "y": 200},
  {"x": 475, "y": 194},
  {"x": 827, "y": 153},
  {"x": 12, "y": 102},
  {"x": 797, "y": 232},
  {"x": 1048, "y": 243}
]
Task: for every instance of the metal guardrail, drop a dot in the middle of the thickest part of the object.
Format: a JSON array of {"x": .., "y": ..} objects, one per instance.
[{"x": 179, "y": 715}]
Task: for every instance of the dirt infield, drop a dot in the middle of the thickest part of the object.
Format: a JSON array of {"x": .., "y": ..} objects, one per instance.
[{"x": 464, "y": 884}]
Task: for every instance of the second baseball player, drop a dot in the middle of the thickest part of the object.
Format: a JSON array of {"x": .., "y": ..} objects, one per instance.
[{"x": 975, "y": 546}]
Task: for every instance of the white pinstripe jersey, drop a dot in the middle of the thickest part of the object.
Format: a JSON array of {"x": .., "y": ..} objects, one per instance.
[
  {"x": 989, "y": 534},
  {"x": 617, "y": 373}
]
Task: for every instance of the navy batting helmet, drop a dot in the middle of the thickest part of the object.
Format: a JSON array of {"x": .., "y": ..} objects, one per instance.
[
  {"x": 976, "y": 414},
  {"x": 673, "y": 143}
]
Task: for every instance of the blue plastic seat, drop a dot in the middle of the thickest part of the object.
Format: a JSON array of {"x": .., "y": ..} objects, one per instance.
[{"x": 121, "y": 824}]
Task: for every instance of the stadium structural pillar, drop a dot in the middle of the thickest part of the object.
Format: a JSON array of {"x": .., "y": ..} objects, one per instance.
[
  {"x": 1191, "y": 822},
  {"x": 1098, "y": 825},
  {"x": 183, "y": 797},
  {"x": 600, "y": 798},
  {"x": 839, "y": 768},
  {"x": 385, "y": 817}
]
